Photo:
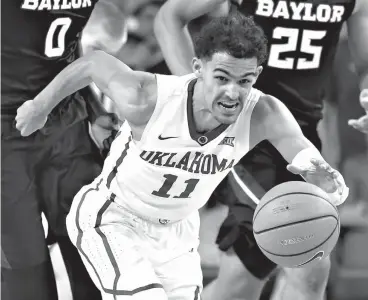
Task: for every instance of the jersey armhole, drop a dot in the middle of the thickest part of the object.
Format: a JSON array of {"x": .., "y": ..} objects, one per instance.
[
  {"x": 247, "y": 115},
  {"x": 162, "y": 97}
]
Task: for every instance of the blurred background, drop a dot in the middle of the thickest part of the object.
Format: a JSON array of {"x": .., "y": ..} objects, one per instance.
[{"x": 343, "y": 147}]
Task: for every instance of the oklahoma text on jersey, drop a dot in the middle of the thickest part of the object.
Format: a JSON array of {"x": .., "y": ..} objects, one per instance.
[
  {"x": 301, "y": 11},
  {"x": 192, "y": 162}
]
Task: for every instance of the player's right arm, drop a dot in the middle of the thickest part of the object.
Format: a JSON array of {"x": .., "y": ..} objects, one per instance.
[
  {"x": 133, "y": 92},
  {"x": 171, "y": 31}
]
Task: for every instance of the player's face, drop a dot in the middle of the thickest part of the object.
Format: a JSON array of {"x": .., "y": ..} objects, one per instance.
[{"x": 227, "y": 82}]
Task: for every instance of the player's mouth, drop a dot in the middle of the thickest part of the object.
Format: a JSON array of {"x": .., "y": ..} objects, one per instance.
[{"x": 228, "y": 107}]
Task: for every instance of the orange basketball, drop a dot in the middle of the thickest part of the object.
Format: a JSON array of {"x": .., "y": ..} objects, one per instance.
[{"x": 295, "y": 225}]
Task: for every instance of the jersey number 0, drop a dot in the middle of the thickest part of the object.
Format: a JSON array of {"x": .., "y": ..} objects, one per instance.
[{"x": 52, "y": 50}]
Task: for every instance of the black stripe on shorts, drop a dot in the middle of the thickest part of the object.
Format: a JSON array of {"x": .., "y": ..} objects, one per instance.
[{"x": 100, "y": 213}]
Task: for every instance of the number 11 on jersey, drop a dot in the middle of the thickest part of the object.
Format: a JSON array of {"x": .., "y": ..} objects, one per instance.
[{"x": 168, "y": 184}]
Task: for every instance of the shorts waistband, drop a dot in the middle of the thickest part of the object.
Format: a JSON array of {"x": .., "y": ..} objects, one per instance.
[{"x": 159, "y": 221}]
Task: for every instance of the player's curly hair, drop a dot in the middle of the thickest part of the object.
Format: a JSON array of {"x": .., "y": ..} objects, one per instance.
[{"x": 237, "y": 35}]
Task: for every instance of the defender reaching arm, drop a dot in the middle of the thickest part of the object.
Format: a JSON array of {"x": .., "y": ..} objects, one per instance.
[
  {"x": 134, "y": 93},
  {"x": 105, "y": 30},
  {"x": 171, "y": 29}
]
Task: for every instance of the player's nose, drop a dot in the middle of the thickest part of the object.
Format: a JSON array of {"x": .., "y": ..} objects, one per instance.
[{"x": 233, "y": 92}]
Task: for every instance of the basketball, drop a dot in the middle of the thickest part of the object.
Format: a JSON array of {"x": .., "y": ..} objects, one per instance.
[{"x": 295, "y": 225}]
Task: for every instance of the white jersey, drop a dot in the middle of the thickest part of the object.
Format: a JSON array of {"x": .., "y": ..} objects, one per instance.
[{"x": 173, "y": 170}]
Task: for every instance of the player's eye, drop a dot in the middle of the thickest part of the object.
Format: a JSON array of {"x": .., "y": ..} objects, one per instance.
[
  {"x": 221, "y": 79},
  {"x": 244, "y": 81}
]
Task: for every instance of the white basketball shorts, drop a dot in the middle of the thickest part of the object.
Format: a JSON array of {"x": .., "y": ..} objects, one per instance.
[{"x": 129, "y": 257}]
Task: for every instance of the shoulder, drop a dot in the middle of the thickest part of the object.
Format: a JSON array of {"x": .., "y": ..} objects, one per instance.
[
  {"x": 160, "y": 88},
  {"x": 267, "y": 113},
  {"x": 267, "y": 107},
  {"x": 171, "y": 85}
]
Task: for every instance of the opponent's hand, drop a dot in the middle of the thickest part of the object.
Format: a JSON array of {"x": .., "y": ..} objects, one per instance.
[
  {"x": 29, "y": 118},
  {"x": 361, "y": 124},
  {"x": 103, "y": 128},
  {"x": 321, "y": 174}
]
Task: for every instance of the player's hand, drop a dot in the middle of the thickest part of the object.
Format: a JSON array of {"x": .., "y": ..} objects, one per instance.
[
  {"x": 29, "y": 118},
  {"x": 361, "y": 124},
  {"x": 321, "y": 174},
  {"x": 103, "y": 128}
]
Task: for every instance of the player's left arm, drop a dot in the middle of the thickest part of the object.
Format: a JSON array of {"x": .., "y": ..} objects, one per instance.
[
  {"x": 358, "y": 41},
  {"x": 276, "y": 124}
]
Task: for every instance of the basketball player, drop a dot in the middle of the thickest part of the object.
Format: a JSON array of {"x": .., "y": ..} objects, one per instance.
[
  {"x": 44, "y": 171},
  {"x": 136, "y": 226},
  {"x": 302, "y": 39}
]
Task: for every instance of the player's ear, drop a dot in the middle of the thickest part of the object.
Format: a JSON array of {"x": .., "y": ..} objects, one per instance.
[
  {"x": 258, "y": 72},
  {"x": 197, "y": 67}
]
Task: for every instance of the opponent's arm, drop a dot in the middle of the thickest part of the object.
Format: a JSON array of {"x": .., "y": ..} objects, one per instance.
[
  {"x": 172, "y": 34},
  {"x": 358, "y": 42},
  {"x": 105, "y": 30},
  {"x": 276, "y": 124},
  {"x": 127, "y": 88}
]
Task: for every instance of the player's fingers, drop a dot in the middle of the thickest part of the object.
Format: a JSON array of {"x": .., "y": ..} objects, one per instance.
[
  {"x": 360, "y": 124},
  {"x": 23, "y": 132},
  {"x": 326, "y": 167},
  {"x": 321, "y": 165},
  {"x": 18, "y": 124},
  {"x": 338, "y": 180},
  {"x": 318, "y": 163},
  {"x": 364, "y": 99},
  {"x": 17, "y": 118},
  {"x": 315, "y": 161},
  {"x": 335, "y": 174},
  {"x": 295, "y": 169},
  {"x": 352, "y": 122},
  {"x": 18, "y": 112},
  {"x": 339, "y": 183}
]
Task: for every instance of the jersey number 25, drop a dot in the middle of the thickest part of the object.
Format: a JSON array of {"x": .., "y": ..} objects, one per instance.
[{"x": 292, "y": 36}]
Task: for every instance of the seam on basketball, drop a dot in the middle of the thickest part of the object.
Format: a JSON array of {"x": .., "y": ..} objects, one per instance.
[
  {"x": 293, "y": 223},
  {"x": 295, "y": 193}
]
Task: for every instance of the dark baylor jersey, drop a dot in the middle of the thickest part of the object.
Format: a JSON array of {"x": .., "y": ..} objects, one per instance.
[
  {"x": 302, "y": 37},
  {"x": 39, "y": 38}
]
